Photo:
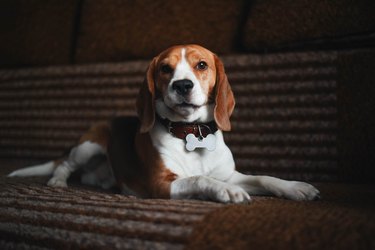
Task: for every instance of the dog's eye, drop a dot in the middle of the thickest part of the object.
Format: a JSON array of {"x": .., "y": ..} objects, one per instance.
[
  {"x": 166, "y": 69},
  {"x": 202, "y": 65}
]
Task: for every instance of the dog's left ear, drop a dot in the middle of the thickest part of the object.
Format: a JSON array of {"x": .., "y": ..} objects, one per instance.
[
  {"x": 224, "y": 98},
  {"x": 146, "y": 99}
]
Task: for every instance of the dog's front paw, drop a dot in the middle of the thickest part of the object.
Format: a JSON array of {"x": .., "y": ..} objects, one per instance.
[
  {"x": 56, "y": 182},
  {"x": 300, "y": 191},
  {"x": 231, "y": 194}
]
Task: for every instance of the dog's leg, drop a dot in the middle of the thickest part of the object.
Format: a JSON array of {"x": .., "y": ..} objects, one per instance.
[
  {"x": 100, "y": 176},
  {"x": 266, "y": 185},
  {"x": 79, "y": 156},
  {"x": 206, "y": 187}
]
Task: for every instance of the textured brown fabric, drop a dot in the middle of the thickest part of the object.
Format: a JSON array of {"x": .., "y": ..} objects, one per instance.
[
  {"x": 35, "y": 32},
  {"x": 274, "y": 24},
  {"x": 44, "y": 111},
  {"x": 33, "y": 215},
  {"x": 116, "y": 30},
  {"x": 343, "y": 219}
]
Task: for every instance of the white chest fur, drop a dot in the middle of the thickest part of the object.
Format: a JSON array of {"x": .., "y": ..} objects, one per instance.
[{"x": 218, "y": 164}]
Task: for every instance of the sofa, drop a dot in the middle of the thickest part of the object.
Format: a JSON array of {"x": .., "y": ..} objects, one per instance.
[{"x": 302, "y": 74}]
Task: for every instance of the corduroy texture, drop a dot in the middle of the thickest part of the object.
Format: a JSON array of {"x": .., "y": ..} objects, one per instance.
[
  {"x": 286, "y": 123},
  {"x": 45, "y": 110},
  {"x": 343, "y": 219},
  {"x": 34, "y": 216}
]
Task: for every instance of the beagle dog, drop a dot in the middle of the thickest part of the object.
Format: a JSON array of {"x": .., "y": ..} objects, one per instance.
[{"x": 175, "y": 147}]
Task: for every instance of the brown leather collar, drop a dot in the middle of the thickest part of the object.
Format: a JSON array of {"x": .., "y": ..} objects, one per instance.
[{"x": 182, "y": 129}]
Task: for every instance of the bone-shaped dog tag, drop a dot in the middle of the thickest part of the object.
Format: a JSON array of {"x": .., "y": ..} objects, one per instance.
[{"x": 193, "y": 142}]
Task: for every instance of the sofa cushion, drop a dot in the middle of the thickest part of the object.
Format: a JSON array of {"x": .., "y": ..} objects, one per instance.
[
  {"x": 300, "y": 24},
  {"x": 34, "y": 216},
  {"x": 343, "y": 219},
  {"x": 122, "y": 30}
]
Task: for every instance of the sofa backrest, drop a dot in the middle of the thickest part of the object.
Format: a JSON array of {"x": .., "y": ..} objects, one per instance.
[{"x": 296, "y": 116}]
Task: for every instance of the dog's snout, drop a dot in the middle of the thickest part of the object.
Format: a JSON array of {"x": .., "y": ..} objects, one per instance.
[{"x": 182, "y": 87}]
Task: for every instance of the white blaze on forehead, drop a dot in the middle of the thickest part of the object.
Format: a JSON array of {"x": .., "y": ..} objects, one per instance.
[{"x": 183, "y": 69}]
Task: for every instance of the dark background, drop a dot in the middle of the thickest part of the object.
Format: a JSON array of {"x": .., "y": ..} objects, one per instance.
[{"x": 45, "y": 32}]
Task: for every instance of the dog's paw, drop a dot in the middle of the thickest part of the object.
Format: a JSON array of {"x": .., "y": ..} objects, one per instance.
[
  {"x": 232, "y": 194},
  {"x": 300, "y": 191},
  {"x": 56, "y": 182}
]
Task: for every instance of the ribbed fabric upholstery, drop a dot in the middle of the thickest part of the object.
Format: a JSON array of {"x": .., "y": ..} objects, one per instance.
[
  {"x": 343, "y": 220},
  {"x": 44, "y": 111},
  {"x": 285, "y": 120},
  {"x": 284, "y": 123},
  {"x": 34, "y": 216}
]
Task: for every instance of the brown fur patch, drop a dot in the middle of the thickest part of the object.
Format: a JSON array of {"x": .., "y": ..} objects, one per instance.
[
  {"x": 159, "y": 178},
  {"x": 225, "y": 101},
  {"x": 98, "y": 133}
]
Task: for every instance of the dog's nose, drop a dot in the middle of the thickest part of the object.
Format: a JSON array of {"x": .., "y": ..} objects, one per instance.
[{"x": 182, "y": 87}]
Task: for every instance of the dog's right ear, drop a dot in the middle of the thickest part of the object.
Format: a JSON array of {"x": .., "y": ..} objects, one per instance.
[
  {"x": 224, "y": 97},
  {"x": 146, "y": 99}
]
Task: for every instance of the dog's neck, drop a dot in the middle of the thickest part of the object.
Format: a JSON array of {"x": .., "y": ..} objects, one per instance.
[{"x": 182, "y": 129}]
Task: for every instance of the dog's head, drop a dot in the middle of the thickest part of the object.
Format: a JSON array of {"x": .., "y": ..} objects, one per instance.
[{"x": 186, "y": 83}]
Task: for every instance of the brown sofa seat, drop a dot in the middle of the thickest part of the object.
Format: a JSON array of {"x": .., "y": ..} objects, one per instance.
[{"x": 34, "y": 216}]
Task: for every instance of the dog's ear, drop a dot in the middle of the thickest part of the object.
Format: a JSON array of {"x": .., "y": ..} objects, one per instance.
[
  {"x": 224, "y": 98},
  {"x": 146, "y": 99}
]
